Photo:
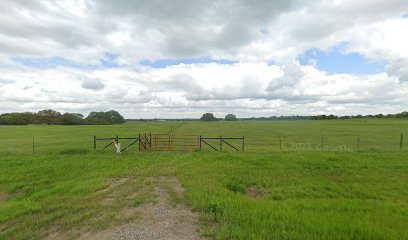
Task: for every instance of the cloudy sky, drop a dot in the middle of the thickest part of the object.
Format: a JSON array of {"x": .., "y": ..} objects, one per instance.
[{"x": 179, "y": 59}]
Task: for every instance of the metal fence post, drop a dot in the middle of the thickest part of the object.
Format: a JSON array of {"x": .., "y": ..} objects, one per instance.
[
  {"x": 401, "y": 140},
  {"x": 139, "y": 142}
]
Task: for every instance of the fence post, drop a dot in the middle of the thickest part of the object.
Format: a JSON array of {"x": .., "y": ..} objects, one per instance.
[
  {"x": 139, "y": 142},
  {"x": 146, "y": 141},
  {"x": 33, "y": 146},
  {"x": 150, "y": 139},
  {"x": 321, "y": 146},
  {"x": 243, "y": 143},
  {"x": 117, "y": 138},
  {"x": 94, "y": 143},
  {"x": 401, "y": 140},
  {"x": 169, "y": 142},
  {"x": 220, "y": 143},
  {"x": 200, "y": 141}
]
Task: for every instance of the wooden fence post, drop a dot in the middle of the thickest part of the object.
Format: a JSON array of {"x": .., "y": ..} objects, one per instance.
[
  {"x": 200, "y": 141},
  {"x": 94, "y": 145},
  {"x": 243, "y": 143}
]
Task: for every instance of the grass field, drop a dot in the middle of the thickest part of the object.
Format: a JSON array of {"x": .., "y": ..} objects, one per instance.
[{"x": 301, "y": 190}]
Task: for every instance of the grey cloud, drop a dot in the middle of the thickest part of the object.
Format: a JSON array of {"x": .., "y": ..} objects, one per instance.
[
  {"x": 251, "y": 88},
  {"x": 92, "y": 84},
  {"x": 291, "y": 75},
  {"x": 188, "y": 28},
  {"x": 180, "y": 81},
  {"x": 182, "y": 28},
  {"x": 399, "y": 69},
  {"x": 177, "y": 82},
  {"x": 28, "y": 35}
]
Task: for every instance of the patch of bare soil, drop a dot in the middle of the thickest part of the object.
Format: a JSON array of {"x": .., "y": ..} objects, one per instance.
[
  {"x": 164, "y": 218},
  {"x": 3, "y": 196},
  {"x": 113, "y": 185},
  {"x": 254, "y": 191},
  {"x": 112, "y": 194}
]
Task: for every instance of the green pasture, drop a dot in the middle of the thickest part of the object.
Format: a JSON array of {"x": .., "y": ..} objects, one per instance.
[
  {"x": 298, "y": 191},
  {"x": 336, "y": 135}
]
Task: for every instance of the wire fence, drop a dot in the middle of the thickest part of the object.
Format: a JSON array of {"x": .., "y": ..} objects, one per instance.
[{"x": 254, "y": 142}]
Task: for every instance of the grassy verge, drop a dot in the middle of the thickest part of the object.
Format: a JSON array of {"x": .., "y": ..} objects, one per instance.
[{"x": 301, "y": 195}]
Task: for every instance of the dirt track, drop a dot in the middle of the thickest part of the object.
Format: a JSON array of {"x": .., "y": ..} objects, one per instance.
[{"x": 160, "y": 220}]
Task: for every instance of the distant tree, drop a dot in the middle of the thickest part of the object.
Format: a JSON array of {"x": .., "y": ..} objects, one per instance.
[
  {"x": 230, "y": 117},
  {"x": 16, "y": 118},
  {"x": 319, "y": 117},
  {"x": 208, "y": 117},
  {"x": 379, "y": 115},
  {"x": 109, "y": 117},
  {"x": 402, "y": 115},
  {"x": 114, "y": 116},
  {"x": 72, "y": 119},
  {"x": 48, "y": 117},
  {"x": 331, "y": 117}
]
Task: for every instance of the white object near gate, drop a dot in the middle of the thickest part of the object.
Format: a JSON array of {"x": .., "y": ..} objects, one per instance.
[{"x": 117, "y": 145}]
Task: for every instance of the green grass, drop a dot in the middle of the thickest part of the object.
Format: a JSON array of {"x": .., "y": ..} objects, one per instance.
[{"x": 304, "y": 192}]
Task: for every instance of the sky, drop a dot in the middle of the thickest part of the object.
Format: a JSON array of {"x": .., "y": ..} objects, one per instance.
[{"x": 180, "y": 59}]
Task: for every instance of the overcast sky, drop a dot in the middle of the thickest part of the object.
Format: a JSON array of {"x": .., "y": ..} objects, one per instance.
[{"x": 176, "y": 59}]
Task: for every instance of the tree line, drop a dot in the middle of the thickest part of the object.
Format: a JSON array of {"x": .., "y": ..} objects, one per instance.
[
  {"x": 379, "y": 116},
  {"x": 232, "y": 117},
  {"x": 52, "y": 117}
]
